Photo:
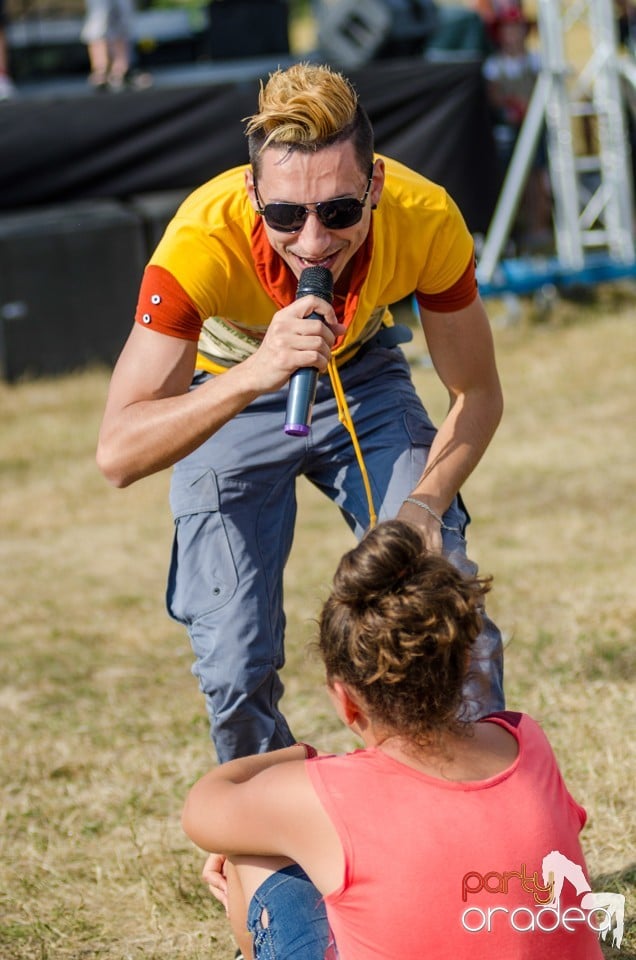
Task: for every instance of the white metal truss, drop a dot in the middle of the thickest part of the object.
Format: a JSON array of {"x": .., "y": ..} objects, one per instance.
[{"x": 591, "y": 176}]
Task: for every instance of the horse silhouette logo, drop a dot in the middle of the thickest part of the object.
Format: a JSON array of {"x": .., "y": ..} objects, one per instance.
[{"x": 556, "y": 869}]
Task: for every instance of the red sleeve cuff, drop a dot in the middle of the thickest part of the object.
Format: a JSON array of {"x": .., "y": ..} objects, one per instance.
[
  {"x": 460, "y": 295},
  {"x": 164, "y": 306}
]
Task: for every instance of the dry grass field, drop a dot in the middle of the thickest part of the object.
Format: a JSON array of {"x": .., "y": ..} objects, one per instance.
[{"x": 103, "y": 727}]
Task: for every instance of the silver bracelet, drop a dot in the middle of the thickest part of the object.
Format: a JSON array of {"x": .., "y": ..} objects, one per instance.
[{"x": 425, "y": 506}]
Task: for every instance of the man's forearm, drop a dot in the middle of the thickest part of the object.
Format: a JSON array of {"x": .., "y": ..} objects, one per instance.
[
  {"x": 150, "y": 435},
  {"x": 459, "y": 445}
]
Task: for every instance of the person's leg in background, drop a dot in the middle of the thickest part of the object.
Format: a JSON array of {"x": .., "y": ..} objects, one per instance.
[
  {"x": 119, "y": 58},
  {"x": 120, "y": 43},
  {"x": 95, "y": 36},
  {"x": 7, "y": 88},
  {"x": 107, "y": 33},
  {"x": 99, "y": 60}
]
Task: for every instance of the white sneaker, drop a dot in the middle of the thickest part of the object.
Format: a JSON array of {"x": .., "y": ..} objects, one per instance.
[{"x": 7, "y": 89}]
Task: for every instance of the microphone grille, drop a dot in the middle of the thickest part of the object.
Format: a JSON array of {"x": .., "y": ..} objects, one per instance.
[{"x": 316, "y": 280}]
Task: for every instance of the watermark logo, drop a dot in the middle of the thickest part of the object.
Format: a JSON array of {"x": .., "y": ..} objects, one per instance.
[{"x": 601, "y": 912}]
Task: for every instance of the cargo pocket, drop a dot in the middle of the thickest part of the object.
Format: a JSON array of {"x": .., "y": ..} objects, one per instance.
[
  {"x": 421, "y": 433},
  {"x": 202, "y": 574}
]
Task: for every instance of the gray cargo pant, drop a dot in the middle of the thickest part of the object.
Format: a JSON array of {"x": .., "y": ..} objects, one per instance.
[{"x": 234, "y": 504}]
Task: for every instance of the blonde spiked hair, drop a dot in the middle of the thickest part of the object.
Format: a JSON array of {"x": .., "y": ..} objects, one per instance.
[{"x": 308, "y": 107}]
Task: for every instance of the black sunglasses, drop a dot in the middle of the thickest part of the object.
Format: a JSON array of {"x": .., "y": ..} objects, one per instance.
[{"x": 336, "y": 214}]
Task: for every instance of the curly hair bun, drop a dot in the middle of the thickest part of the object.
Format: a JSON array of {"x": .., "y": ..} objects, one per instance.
[
  {"x": 398, "y": 628},
  {"x": 385, "y": 559}
]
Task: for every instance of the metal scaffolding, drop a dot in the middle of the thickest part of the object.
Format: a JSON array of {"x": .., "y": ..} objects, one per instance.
[{"x": 583, "y": 113}]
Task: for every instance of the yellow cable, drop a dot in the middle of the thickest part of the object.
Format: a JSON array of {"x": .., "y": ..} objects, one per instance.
[{"x": 344, "y": 416}]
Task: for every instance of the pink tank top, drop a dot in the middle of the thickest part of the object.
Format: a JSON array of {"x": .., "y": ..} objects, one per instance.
[{"x": 453, "y": 870}]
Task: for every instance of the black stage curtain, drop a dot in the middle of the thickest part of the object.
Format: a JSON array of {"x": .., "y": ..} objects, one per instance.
[{"x": 432, "y": 116}]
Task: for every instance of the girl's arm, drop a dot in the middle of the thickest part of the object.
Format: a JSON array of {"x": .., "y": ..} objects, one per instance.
[{"x": 265, "y": 805}]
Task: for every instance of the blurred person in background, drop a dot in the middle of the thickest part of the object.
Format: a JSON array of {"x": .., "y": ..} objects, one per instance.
[
  {"x": 7, "y": 88},
  {"x": 490, "y": 11},
  {"x": 511, "y": 72},
  {"x": 107, "y": 33},
  {"x": 626, "y": 21}
]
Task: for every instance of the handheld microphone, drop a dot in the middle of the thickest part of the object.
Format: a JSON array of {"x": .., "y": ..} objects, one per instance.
[{"x": 302, "y": 383}]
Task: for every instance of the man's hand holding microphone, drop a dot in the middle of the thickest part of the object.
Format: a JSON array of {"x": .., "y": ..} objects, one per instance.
[{"x": 299, "y": 338}]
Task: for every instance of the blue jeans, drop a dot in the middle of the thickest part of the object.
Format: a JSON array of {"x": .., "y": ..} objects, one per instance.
[
  {"x": 234, "y": 504},
  {"x": 295, "y": 926}
]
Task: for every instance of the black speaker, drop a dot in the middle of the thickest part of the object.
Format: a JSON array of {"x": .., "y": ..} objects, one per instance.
[
  {"x": 351, "y": 33},
  {"x": 155, "y": 211},
  {"x": 247, "y": 28},
  {"x": 69, "y": 278}
]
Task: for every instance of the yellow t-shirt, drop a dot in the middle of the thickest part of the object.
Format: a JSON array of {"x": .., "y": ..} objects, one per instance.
[{"x": 201, "y": 282}]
